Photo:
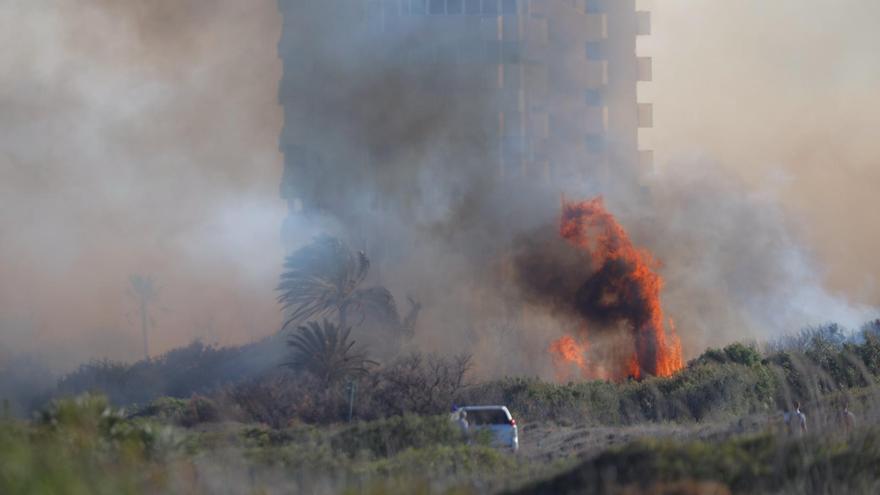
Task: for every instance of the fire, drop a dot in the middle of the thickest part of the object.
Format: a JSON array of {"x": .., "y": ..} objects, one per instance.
[
  {"x": 566, "y": 351},
  {"x": 632, "y": 367},
  {"x": 570, "y": 358},
  {"x": 624, "y": 287}
]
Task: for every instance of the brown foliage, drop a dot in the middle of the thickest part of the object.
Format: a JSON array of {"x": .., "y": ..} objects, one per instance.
[{"x": 421, "y": 384}]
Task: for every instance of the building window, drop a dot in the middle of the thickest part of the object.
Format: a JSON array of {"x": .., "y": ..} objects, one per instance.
[
  {"x": 391, "y": 7},
  {"x": 372, "y": 6},
  {"x": 492, "y": 51},
  {"x": 594, "y": 7},
  {"x": 511, "y": 52},
  {"x": 513, "y": 76},
  {"x": 595, "y": 143},
  {"x": 454, "y": 7},
  {"x": 594, "y": 51},
  {"x": 594, "y": 98},
  {"x": 490, "y": 7},
  {"x": 472, "y": 7},
  {"x": 438, "y": 7},
  {"x": 508, "y": 7},
  {"x": 418, "y": 7}
]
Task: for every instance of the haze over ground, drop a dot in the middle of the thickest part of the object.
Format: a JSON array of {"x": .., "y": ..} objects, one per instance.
[{"x": 143, "y": 139}]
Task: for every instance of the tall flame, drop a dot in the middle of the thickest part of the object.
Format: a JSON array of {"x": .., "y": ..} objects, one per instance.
[{"x": 624, "y": 287}]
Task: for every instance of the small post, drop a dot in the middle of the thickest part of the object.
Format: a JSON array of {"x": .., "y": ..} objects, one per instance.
[{"x": 352, "y": 388}]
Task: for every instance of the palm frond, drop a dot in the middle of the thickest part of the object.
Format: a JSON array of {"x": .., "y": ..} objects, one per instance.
[
  {"x": 326, "y": 351},
  {"x": 318, "y": 278},
  {"x": 323, "y": 279},
  {"x": 375, "y": 302}
]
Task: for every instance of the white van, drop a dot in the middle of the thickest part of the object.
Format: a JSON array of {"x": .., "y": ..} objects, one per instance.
[{"x": 495, "y": 419}]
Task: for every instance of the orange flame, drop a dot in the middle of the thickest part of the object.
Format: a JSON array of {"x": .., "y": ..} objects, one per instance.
[
  {"x": 571, "y": 354},
  {"x": 632, "y": 283},
  {"x": 566, "y": 351},
  {"x": 632, "y": 367}
]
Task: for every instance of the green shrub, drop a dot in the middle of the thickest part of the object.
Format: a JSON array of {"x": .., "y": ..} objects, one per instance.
[
  {"x": 756, "y": 464},
  {"x": 200, "y": 410},
  {"x": 713, "y": 355},
  {"x": 183, "y": 412},
  {"x": 443, "y": 461},
  {"x": 738, "y": 353},
  {"x": 82, "y": 446},
  {"x": 387, "y": 437},
  {"x": 746, "y": 355},
  {"x": 168, "y": 409},
  {"x": 193, "y": 369},
  {"x": 869, "y": 351},
  {"x": 732, "y": 385}
]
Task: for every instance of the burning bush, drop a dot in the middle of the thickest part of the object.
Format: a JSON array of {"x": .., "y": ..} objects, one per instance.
[{"x": 612, "y": 287}]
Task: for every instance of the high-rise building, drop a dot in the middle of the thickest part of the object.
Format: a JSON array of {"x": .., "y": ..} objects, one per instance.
[{"x": 541, "y": 90}]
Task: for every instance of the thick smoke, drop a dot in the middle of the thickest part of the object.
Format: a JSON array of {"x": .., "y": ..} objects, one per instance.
[
  {"x": 142, "y": 138},
  {"x": 406, "y": 166},
  {"x": 781, "y": 96},
  {"x": 736, "y": 262},
  {"x": 413, "y": 180},
  {"x": 137, "y": 138}
]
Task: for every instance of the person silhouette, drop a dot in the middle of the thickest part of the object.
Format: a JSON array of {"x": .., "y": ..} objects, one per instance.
[{"x": 796, "y": 421}]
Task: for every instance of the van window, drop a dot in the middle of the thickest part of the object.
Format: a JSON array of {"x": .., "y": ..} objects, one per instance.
[{"x": 487, "y": 417}]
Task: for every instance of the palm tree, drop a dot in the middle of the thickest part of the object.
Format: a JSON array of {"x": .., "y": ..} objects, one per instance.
[
  {"x": 412, "y": 316},
  {"x": 145, "y": 293},
  {"x": 325, "y": 351},
  {"x": 324, "y": 278}
]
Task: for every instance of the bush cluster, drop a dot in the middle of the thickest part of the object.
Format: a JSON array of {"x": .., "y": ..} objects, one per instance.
[
  {"x": 721, "y": 383},
  {"x": 412, "y": 384},
  {"x": 86, "y": 446},
  {"x": 700, "y": 392},
  {"x": 756, "y": 464},
  {"x": 194, "y": 369}
]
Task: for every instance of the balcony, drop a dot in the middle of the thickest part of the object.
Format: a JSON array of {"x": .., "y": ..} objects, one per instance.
[
  {"x": 595, "y": 120},
  {"x": 510, "y": 100},
  {"x": 646, "y": 115},
  {"x": 575, "y": 124},
  {"x": 578, "y": 29},
  {"x": 645, "y": 69},
  {"x": 643, "y": 20},
  {"x": 539, "y": 125},
  {"x": 646, "y": 159},
  {"x": 576, "y": 74}
]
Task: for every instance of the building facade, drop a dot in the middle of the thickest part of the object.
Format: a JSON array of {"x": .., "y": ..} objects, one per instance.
[{"x": 537, "y": 90}]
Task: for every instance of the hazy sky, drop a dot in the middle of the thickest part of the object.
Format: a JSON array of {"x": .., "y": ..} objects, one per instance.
[
  {"x": 783, "y": 93},
  {"x": 141, "y": 137},
  {"x": 137, "y": 137}
]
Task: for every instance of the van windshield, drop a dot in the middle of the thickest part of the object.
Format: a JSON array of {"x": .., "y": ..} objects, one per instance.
[{"x": 487, "y": 417}]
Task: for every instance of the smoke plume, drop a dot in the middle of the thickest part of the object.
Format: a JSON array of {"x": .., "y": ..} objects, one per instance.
[
  {"x": 427, "y": 202},
  {"x": 137, "y": 138},
  {"x": 142, "y": 138}
]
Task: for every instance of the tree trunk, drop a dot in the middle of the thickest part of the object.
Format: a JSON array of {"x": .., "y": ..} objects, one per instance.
[
  {"x": 343, "y": 317},
  {"x": 144, "y": 328}
]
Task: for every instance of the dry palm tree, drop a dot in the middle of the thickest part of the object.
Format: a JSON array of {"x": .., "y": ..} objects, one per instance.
[
  {"x": 324, "y": 278},
  {"x": 145, "y": 293},
  {"x": 325, "y": 351}
]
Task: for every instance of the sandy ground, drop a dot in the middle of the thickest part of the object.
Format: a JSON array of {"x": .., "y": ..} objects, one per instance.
[{"x": 549, "y": 442}]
